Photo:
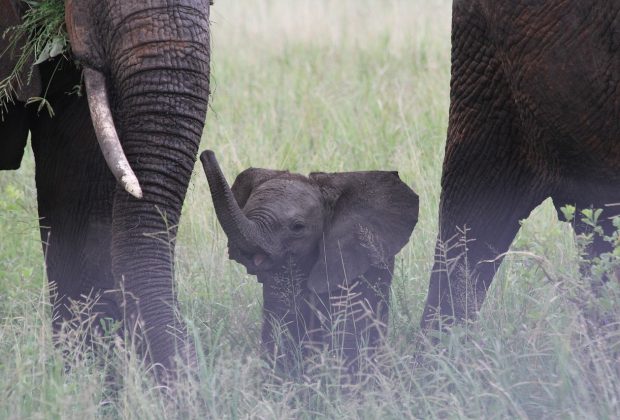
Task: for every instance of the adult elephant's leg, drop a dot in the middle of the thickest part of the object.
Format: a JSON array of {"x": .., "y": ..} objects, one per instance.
[
  {"x": 469, "y": 248},
  {"x": 74, "y": 193},
  {"x": 489, "y": 182}
]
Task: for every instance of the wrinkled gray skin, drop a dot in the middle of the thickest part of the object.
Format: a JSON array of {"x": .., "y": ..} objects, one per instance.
[
  {"x": 534, "y": 114},
  {"x": 322, "y": 246},
  {"x": 154, "y": 55}
]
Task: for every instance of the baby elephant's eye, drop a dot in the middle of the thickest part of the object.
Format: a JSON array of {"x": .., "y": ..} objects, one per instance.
[{"x": 298, "y": 227}]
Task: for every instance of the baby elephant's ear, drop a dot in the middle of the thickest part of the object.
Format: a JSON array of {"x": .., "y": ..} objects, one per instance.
[
  {"x": 248, "y": 180},
  {"x": 373, "y": 215}
]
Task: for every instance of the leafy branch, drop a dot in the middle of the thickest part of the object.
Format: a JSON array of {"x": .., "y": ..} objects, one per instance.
[{"x": 43, "y": 29}]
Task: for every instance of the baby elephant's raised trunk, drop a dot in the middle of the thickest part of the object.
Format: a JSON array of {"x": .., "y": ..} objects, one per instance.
[{"x": 241, "y": 231}]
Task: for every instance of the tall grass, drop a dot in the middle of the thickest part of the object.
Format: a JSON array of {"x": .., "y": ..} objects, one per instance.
[{"x": 333, "y": 86}]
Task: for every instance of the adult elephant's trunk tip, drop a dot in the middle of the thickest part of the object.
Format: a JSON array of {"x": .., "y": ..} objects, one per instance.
[
  {"x": 105, "y": 130},
  {"x": 241, "y": 231}
]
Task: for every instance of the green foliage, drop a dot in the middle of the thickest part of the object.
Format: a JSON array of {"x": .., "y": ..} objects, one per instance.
[
  {"x": 43, "y": 28},
  {"x": 607, "y": 265},
  {"x": 569, "y": 212}
]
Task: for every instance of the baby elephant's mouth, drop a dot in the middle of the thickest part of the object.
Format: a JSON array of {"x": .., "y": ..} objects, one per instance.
[
  {"x": 254, "y": 263},
  {"x": 259, "y": 259},
  {"x": 260, "y": 263}
]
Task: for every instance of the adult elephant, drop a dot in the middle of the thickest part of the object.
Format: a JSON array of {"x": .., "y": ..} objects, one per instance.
[
  {"x": 534, "y": 113},
  {"x": 145, "y": 67}
]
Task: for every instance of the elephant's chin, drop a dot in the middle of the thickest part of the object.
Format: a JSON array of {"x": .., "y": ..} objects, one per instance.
[{"x": 256, "y": 264}]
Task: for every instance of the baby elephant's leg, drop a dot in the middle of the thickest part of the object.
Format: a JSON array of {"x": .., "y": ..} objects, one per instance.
[
  {"x": 362, "y": 313},
  {"x": 375, "y": 291}
]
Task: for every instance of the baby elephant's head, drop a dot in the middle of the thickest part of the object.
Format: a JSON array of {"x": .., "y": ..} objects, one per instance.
[{"x": 326, "y": 228}]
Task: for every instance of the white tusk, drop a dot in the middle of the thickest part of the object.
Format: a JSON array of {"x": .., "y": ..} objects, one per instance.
[{"x": 106, "y": 132}]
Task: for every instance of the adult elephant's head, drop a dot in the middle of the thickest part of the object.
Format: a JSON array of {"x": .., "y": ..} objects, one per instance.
[
  {"x": 322, "y": 230},
  {"x": 151, "y": 59}
]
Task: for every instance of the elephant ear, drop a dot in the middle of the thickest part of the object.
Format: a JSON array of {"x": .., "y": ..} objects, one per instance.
[
  {"x": 372, "y": 216},
  {"x": 10, "y": 15},
  {"x": 248, "y": 180}
]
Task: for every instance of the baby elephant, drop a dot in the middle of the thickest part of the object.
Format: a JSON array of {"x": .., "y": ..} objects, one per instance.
[{"x": 323, "y": 247}]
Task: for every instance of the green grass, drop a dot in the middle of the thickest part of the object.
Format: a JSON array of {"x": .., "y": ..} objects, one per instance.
[{"x": 334, "y": 86}]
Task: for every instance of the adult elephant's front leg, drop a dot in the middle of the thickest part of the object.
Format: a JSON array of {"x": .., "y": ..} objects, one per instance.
[
  {"x": 477, "y": 224},
  {"x": 74, "y": 193},
  {"x": 490, "y": 180}
]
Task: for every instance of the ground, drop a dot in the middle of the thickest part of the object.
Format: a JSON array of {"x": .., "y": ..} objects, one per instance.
[{"x": 332, "y": 86}]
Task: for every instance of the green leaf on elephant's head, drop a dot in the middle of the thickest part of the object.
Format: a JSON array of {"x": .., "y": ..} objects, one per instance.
[{"x": 43, "y": 27}]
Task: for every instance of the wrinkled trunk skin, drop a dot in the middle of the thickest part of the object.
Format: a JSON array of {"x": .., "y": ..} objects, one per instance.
[{"x": 159, "y": 80}]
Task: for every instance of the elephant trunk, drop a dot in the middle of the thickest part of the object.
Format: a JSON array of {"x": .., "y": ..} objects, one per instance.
[
  {"x": 241, "y": 231},
  {"x": 159, "y": 80}
]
